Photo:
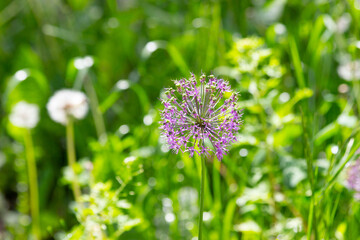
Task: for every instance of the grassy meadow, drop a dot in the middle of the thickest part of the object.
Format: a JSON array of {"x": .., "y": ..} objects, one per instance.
[{"x": 109, "y": 173}]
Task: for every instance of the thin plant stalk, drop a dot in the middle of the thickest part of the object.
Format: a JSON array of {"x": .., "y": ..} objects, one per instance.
[
  {"x": 217, "y": 194},
  {"x": 33, "y": 186},
  {"x": 271, "y": 165},
  {"x": 72, "y": 158},
  {"x": 356, "y": 93},
  {"x": 95, "y": 110},
  {"x": 201, "y": 196},
  {"x": 217, "y": 183},
  {"x": 312, "y": 216},
  {"x": 83, "y": 78}
]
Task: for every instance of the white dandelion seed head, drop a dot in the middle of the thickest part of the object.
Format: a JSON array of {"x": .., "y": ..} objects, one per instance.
[
  {"x": 343, "y": 23},
  {"x": 67, "y": 103},
  {"x": 21, "y": 75},
  {"x": 350, "y": 71},
  {"x": 25, "y": 115},
  {"x": 82, "y": 63}
]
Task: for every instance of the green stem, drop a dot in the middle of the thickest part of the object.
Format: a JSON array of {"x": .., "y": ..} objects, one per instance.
[
  {"x": 217, "y": 206},
  {"x": 34, "y": 192},
  {"x": 356, "y": 94},
  {"x": 201, "y": 196},
  {"x": 72, "y": 158},
  {"x": 83, "y": 79},
  {"x": 271, "y": 165},
  {"x": 95, "y": 110},
  {"x": 310, "y": 219},
  {"x": 217, "y": 183},
  {"x": 312, "y": 216}
]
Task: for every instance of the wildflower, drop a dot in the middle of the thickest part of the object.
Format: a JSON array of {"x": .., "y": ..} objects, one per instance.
[
  {"x": 343, "y": 23},
  {"x": 67, "y": 103},
  {"x": 353, "y": 178},
  {"x": 350, "y": 71},
  {"x": 202, "y": 114},
  {"x": 25, "y": 115},
  {"x": 82, "y": 63}
]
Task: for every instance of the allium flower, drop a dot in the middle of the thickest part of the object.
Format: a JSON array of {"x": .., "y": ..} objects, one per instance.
[
  {"x": 203, "y": 113},
  {"x": 67, "y": 103},
  {"x": 353, "y": 178},
  {"x": 350, "y": 71},
  {"x": 25, "y": 115}
]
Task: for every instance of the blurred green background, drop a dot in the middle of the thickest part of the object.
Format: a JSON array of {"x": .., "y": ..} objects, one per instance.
[{"x": 292, "y": 62}]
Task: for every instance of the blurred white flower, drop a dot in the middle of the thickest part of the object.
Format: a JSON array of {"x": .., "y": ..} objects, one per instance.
[
  {"x": 24, "y": 115},
  {"x": 350, "y": 71},
  {"x": 343, "y": 23},
  {"x": 21, "y": 75},
  {"x": 82, "y": 63},
  {"x": 67, "y": 103}
]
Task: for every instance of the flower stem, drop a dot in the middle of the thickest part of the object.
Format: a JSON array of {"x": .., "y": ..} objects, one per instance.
[
  {"x": 312, "y": 216},
  {"x": 95, "y": 110},
  {"x": 72, "y": 158},
  {"x": 34, "y": 192},
  {"x": 201, "y": 196}
]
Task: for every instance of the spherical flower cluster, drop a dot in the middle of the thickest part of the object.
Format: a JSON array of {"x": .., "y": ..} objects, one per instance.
[
  {"x": 67, "y": 103},
  {"x": 195, "y": 113},
  {"x": 25, "y": 115},
  {"x": 353, "y": 178}
]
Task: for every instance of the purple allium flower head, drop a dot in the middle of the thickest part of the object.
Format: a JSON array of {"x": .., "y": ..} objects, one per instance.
[
  {"x": 353, "y": 178},
  {"x": 196, "y": 112}
]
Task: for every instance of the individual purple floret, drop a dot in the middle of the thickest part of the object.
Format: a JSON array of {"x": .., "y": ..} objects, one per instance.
[
  {"x": 353, "y": 178},
  {"x": 195, "y": 112}
]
